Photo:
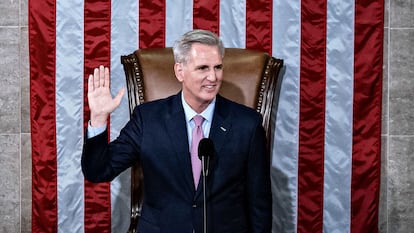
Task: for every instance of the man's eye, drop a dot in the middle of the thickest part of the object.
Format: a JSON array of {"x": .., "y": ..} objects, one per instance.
[
  {"x": 220, "y": 67},
  {"x": 203, "y": 68}
]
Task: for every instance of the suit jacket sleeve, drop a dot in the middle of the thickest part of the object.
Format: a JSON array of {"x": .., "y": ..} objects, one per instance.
[
  {"x": 259, "y": 190},
  {"x": 102, "y": 161}
]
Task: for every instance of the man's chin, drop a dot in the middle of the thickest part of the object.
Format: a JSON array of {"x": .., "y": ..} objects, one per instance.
[{"x": 209, "y": 95}]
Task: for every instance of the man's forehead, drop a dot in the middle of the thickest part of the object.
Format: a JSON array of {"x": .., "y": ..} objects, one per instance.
[{"x": 206, "y": 54}]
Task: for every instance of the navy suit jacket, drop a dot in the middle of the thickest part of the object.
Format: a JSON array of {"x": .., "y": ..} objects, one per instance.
[{"x": 238, "y": 186}]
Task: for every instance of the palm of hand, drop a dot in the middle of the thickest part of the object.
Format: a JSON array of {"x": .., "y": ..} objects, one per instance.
[{"x": 101, "y": 103}]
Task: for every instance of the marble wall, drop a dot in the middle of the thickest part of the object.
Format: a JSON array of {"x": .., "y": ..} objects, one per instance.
[
  {"x": 397, "y": 191},
  {"x": 15, "y": 147},
  {"x": 397, "y": 183}
]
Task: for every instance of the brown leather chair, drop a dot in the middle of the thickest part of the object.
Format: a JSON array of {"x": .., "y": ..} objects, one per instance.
[{"x": 249, "y": 77}]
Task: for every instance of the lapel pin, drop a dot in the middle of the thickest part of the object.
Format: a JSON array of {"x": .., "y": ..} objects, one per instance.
[{"x": 222, "y": 128}]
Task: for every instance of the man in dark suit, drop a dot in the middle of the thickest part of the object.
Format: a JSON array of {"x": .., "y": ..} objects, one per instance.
[{"x": 160, "y": 135}]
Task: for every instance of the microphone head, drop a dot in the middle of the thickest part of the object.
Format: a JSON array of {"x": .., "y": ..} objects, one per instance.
[{"x": 205, "y": 148}]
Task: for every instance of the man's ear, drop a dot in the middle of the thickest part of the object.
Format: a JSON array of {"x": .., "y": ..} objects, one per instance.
[{"x": 178, "y": 70}]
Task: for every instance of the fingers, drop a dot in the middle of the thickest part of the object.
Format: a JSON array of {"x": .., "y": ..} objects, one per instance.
[
  {"x": 106, "y": 75},
  {"x": 96, "y": 82},
  {"x": 102, "y": 76},
  {"x": 99, "y": 78},
  {"x": 90, "y": 83},
  {"x": 118, "y": 97}
]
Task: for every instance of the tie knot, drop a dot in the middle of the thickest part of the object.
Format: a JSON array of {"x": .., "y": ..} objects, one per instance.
[{"x": 198, "y": 120}]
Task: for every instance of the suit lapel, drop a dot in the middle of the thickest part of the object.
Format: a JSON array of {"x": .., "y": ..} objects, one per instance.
[
  {"x": 177, "y": 130},
  {"x": 220, "y": 127}
]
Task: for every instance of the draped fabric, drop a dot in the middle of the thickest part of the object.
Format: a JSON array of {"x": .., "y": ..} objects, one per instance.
[{"x": 326, "y": 144}]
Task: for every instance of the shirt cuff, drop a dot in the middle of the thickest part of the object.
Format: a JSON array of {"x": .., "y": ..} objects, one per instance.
[{"x": 93, "y": 131}]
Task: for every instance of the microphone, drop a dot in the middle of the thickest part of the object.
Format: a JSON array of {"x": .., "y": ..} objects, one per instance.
[{"x": 205, "y": 151}]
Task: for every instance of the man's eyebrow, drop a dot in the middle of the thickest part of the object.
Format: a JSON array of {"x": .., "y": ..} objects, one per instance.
[
  {"x": 206, "y": 66},
  {"x": 201, "y": 66}
]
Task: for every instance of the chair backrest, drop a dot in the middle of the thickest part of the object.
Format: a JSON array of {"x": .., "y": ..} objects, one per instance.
[{"x": 249, "y": 77}]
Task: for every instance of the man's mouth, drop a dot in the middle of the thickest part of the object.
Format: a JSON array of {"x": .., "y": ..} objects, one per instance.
[{"x": 209, "y": 86}]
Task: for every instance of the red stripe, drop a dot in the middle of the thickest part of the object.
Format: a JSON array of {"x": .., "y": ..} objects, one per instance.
[
  {"x": 151, "y": 23},
  {"x": 206, "y": 15},
  {"x": 312, "y": 116},
  {"x": 97, "y": 24},
  {"x": 366, "y": 154},
  {"x": 259, "y": 25},
  {"x": 42, "y": 114}
]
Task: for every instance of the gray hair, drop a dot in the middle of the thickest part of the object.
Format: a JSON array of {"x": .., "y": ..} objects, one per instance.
[{"x": 182, "y": 46}]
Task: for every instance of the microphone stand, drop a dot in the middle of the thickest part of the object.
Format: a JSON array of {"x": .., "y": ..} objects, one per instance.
[
  {"x": 205, "y": 173},
  {"x": 205, "y": 151}
]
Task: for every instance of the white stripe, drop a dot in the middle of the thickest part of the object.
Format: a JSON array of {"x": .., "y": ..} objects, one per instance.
[
  {"x": 124, "y": 40},
  {"x": 338, "y": 124},
  {"x": 179, "y": 19},
  {"x": 286, "y": 45},
  {"x": 233, "y": 23},
  {"x": 69, "y": 114}
]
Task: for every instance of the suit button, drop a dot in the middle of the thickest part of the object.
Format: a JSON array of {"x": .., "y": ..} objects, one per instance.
[{"x": 194, "y": 206}]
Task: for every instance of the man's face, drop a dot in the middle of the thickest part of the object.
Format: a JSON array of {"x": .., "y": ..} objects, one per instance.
[{"x": 201, "y": 76}]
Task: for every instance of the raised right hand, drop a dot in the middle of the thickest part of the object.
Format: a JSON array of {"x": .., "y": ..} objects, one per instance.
[{"x": 101, "y": 103}]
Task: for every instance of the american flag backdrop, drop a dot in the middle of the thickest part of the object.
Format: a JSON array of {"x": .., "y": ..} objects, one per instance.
[{"x": 326, "y": 149}]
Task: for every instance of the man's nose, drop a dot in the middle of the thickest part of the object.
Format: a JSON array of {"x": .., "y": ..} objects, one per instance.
[{"x": 212, "y": 75}]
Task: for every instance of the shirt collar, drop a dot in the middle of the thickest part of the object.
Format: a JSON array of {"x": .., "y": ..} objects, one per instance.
[{"x": 207, "y": 114}]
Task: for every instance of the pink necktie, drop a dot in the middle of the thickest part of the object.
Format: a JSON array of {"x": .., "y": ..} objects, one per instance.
[{"x": 197, "y": 136}]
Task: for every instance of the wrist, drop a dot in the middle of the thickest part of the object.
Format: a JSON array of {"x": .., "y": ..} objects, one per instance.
[{"x": 97, "y": 121}]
